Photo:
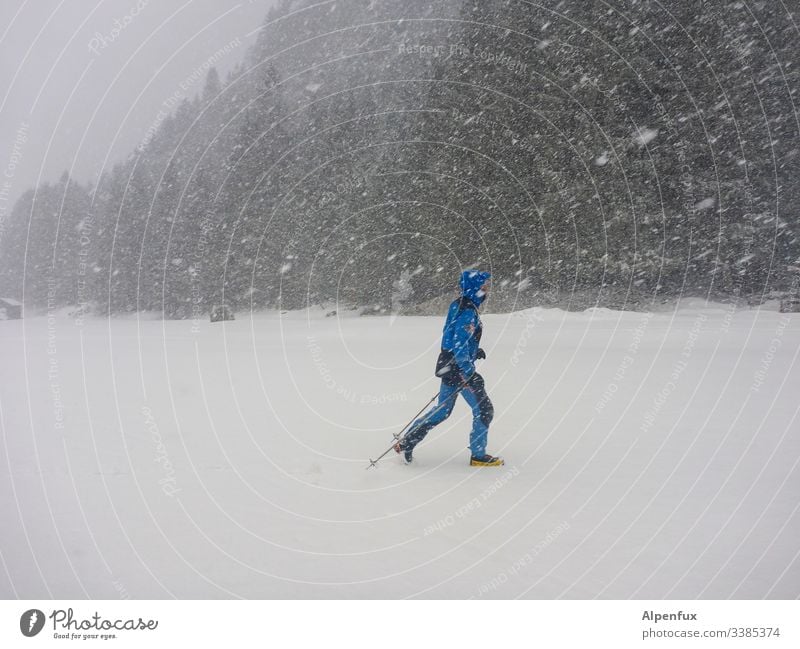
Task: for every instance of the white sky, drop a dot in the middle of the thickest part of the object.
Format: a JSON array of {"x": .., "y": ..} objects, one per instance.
[{"x": 82, "y": 109}]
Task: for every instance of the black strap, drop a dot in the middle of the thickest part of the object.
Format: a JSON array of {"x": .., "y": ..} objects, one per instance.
[{"x": 465, "y": 303}]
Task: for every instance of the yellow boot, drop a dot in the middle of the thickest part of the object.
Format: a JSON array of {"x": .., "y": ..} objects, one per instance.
[{"x": 486, "y": 460}]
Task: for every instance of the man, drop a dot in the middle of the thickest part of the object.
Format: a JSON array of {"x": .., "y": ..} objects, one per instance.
[{"x": 456, "y": 367}]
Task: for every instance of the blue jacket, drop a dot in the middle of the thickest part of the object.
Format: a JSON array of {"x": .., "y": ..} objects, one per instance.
[{"x": 462, "y": 329}]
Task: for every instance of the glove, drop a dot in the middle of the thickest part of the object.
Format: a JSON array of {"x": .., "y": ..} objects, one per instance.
[{"x": 480, "y": 354}]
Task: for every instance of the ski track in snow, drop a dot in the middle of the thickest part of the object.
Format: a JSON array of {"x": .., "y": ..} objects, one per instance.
[{"x": 646, "y": 456}]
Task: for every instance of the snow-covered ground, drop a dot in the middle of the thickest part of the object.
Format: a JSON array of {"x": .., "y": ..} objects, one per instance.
[{"x": 647, "y": 455}]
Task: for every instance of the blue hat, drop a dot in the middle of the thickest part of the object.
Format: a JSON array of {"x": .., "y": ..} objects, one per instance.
[{"x": 471, "y": 282}]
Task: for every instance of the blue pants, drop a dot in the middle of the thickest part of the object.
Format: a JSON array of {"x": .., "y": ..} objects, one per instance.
[{"x": 482, "y": 414}]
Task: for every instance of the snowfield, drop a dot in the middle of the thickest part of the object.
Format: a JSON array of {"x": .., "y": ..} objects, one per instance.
[{"x": 648, "y": 455}]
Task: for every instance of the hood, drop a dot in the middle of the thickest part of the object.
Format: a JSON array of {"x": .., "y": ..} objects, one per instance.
[{"x": 471, "y": 282}]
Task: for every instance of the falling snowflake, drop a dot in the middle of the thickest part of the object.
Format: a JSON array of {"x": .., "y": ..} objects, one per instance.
[
  {"x": 705, "y": 204},
  {"x": 644, "y": 136}
]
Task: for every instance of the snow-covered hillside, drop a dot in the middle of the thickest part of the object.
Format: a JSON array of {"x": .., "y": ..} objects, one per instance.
[{"x": 647, "y": 455}]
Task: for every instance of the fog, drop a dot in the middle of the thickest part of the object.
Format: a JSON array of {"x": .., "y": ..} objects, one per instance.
[{"x": 82, "y": 82}]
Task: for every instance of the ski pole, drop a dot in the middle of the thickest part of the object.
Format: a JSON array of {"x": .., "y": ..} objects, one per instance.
[
  {"x": 423, "y": 409},
  {"x": 397, "y": 436}
]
